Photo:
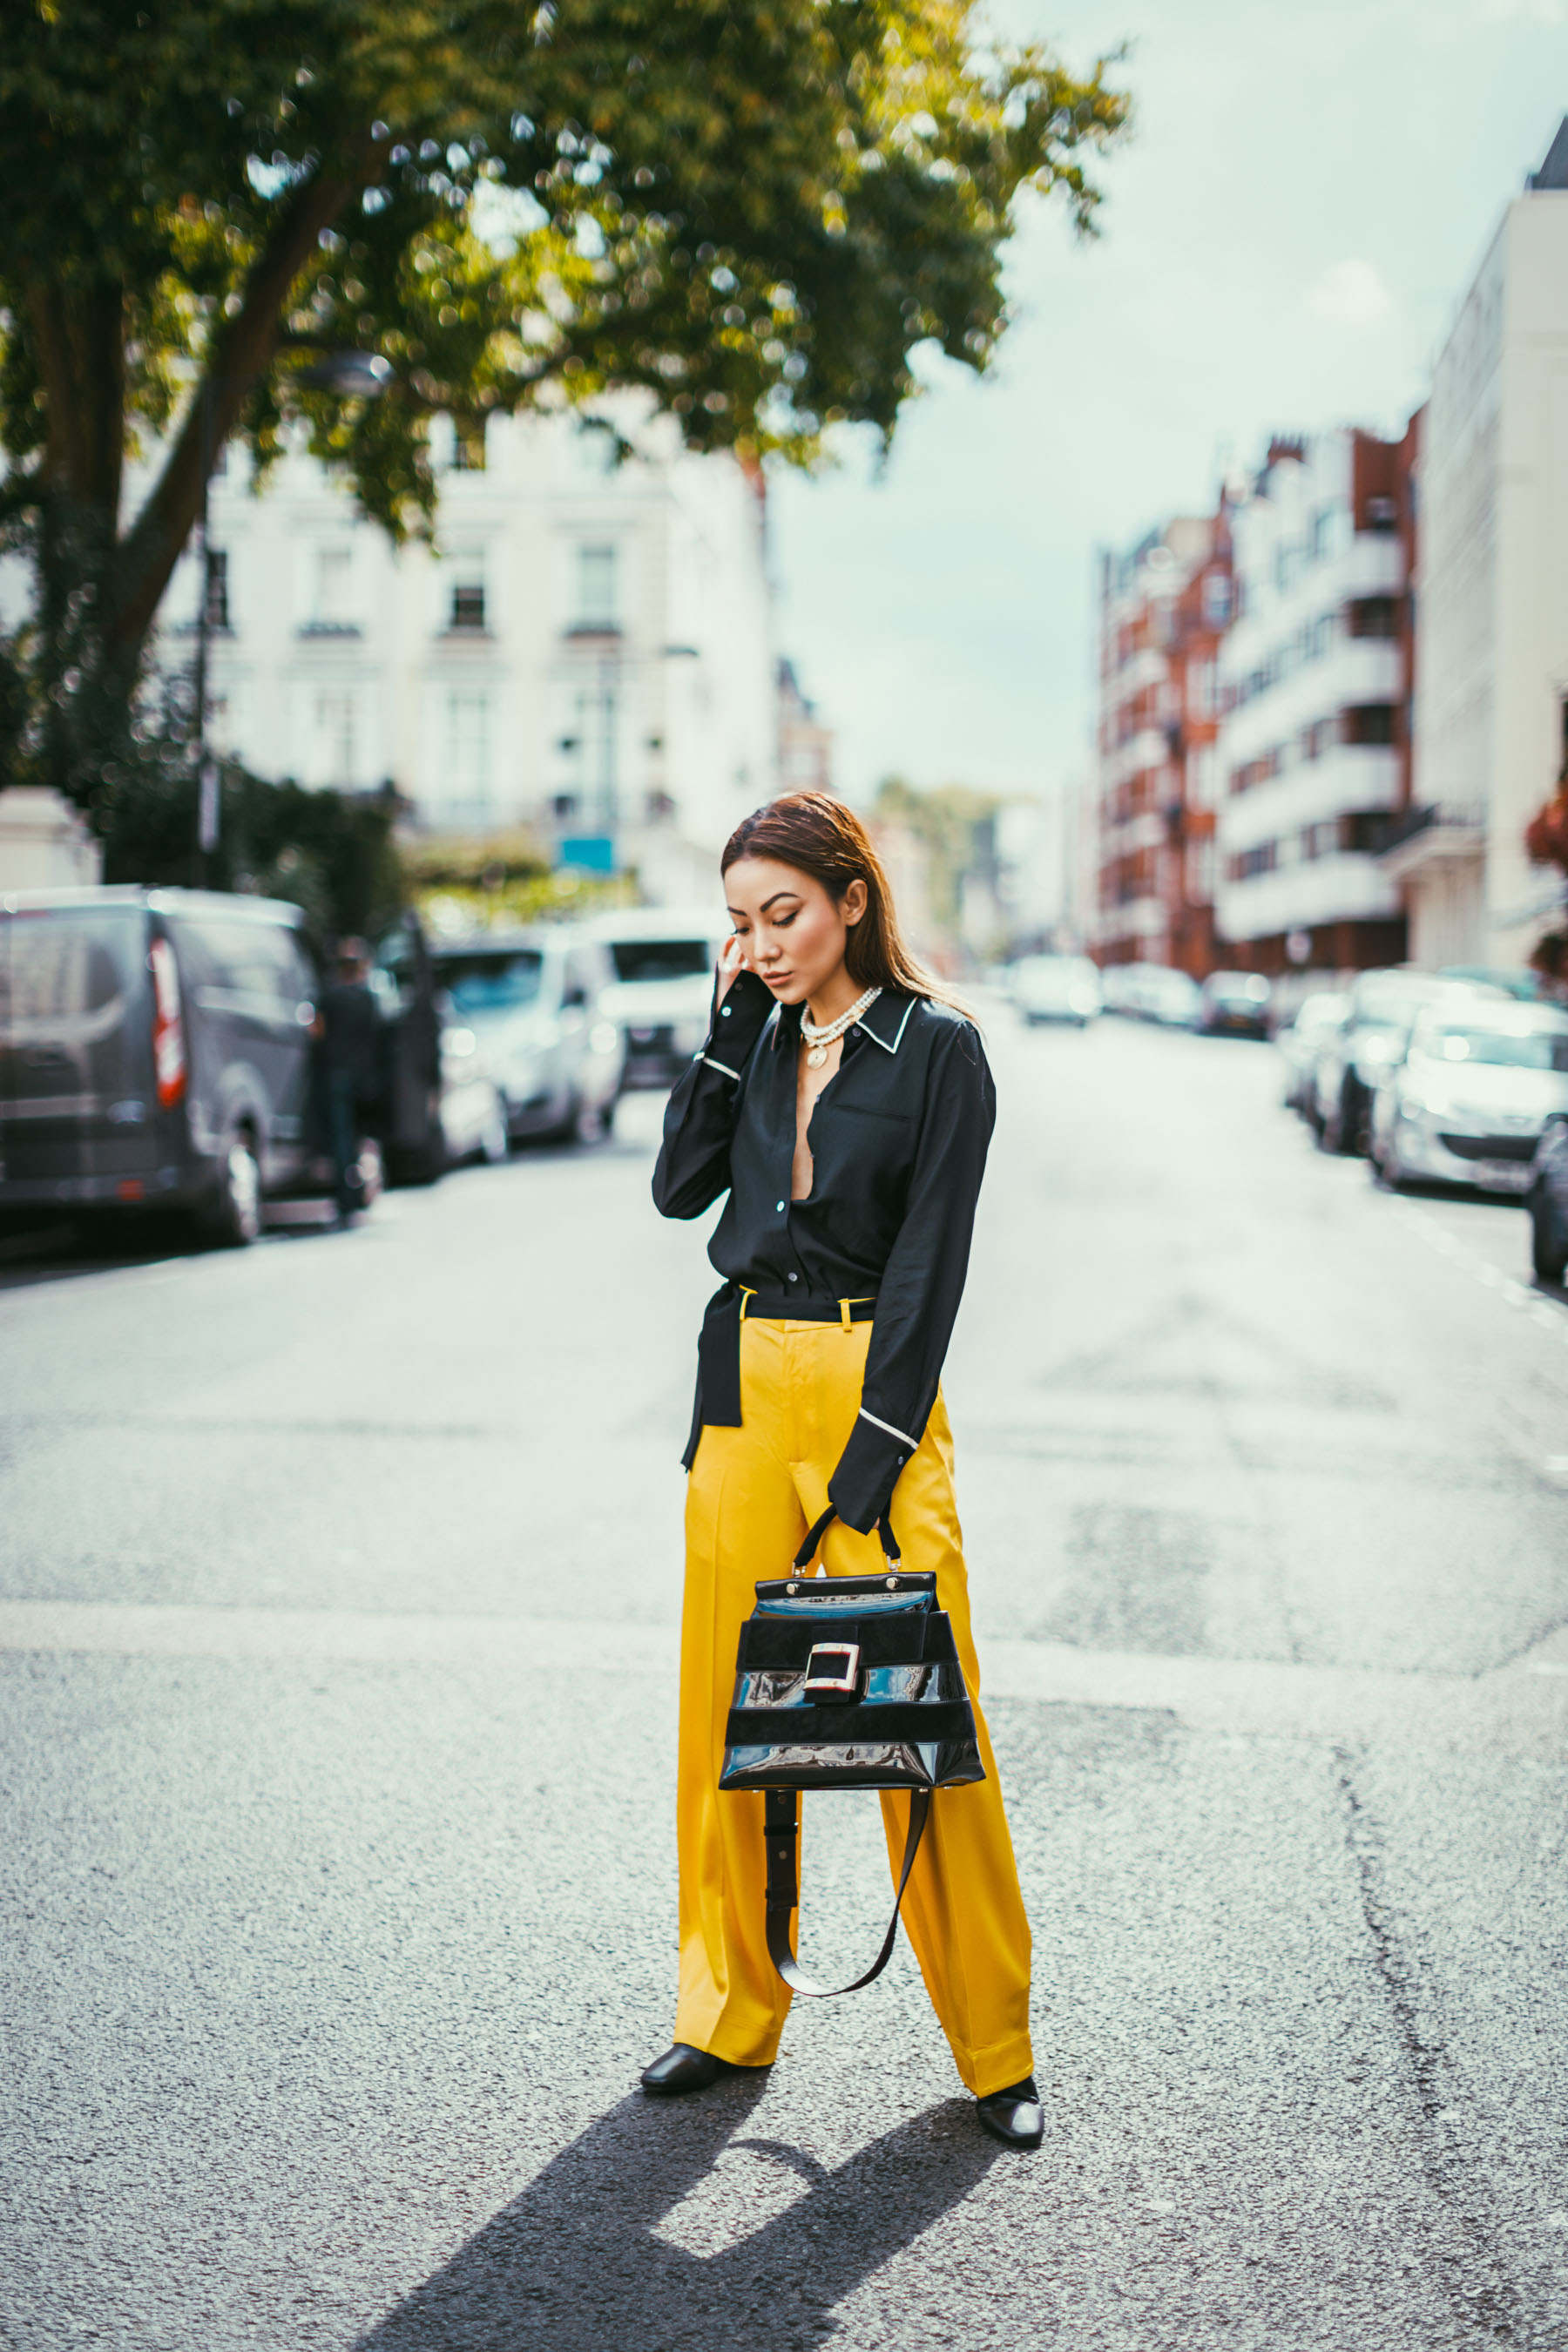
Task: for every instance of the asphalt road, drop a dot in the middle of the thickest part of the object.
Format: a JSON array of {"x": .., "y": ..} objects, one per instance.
[{"x": 338, "y": 1585}]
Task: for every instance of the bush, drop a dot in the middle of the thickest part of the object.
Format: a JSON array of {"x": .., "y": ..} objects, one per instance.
[{"x": 332, "y": 853}]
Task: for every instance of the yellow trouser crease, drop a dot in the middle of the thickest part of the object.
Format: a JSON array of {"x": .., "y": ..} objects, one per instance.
[{"x": 753, "y": 1491}]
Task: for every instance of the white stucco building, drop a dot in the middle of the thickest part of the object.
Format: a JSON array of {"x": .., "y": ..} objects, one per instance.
[
  {"x": 1491, "y": 653},
  {"x": 1314, "y": 680},
  {"x": 587, "y": 649}
]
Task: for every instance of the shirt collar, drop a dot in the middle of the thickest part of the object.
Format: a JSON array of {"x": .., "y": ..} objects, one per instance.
[{"x": 884, "y": 1022}]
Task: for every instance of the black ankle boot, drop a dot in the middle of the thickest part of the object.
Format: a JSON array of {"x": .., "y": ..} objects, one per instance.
[
  {"x": 682, "y": 2068},
  {"x": 1013, "y": 2115}
]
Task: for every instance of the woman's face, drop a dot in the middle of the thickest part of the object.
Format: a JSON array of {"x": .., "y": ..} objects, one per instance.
[{"x": 791, "y": 931}]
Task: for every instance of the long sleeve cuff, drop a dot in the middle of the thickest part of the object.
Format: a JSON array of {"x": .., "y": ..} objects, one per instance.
[
  {"x": 737, "y": 1024},
  {"x": 862, "y": 1488}
]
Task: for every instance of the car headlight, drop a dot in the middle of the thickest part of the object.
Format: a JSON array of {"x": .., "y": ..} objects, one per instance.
[{"x": 602, "y": 1037}]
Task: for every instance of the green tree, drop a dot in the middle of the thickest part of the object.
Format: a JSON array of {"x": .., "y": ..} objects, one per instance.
[
  {"x": 954, "y": 822},
  {"x": 752, "y": 210}
]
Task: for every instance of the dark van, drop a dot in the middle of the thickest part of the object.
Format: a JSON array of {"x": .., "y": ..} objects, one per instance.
[{"x": 155, "y": 1051}]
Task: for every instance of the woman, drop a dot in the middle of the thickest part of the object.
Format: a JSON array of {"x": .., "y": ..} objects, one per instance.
[{"x": 846, "y": 1109}]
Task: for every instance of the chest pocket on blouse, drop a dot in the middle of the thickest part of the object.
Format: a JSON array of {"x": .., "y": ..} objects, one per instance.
[{"x": 863, "y": 1156}]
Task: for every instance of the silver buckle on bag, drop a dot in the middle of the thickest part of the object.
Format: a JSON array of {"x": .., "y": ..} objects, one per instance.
[{"x": 833, "y": 1671}]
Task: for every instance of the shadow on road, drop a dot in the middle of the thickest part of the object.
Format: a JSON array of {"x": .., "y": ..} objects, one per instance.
[{"x": 575, "y": 2263}]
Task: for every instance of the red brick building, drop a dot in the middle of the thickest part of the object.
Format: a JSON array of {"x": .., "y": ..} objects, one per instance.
[{"x": 1164, "y": 607}]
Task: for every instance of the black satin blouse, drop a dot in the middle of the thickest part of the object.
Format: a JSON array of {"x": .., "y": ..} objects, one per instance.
[{"x": 898, "y": 1141}]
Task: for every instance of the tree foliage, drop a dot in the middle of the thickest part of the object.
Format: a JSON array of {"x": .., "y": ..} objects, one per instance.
[
  {"x": 333, "y": 853},
  {"x": 754, "y": 211},
  {"x": 955, "y": 823}
]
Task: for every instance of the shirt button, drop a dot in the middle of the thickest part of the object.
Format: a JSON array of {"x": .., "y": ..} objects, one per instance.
[
  {"x": 724, "y": 1011},
  {"x": 790, "y": 1277},
  {"x": 779, "y": 1205}
]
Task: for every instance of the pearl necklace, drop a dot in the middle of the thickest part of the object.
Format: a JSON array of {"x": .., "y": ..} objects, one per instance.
[{"x": 817, "y": 1041}]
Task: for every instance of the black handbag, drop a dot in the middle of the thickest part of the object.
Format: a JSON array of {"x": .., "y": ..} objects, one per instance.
[{"x": 845, "y": 1682}]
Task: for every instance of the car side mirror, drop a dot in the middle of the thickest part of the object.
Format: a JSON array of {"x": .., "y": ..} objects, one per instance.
[{"x": 576, "y": 999}]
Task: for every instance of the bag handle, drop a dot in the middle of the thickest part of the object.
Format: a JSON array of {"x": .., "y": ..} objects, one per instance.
[
  {"x": 781, "y": 1831},
  {"x": 814, "y": 1534}
]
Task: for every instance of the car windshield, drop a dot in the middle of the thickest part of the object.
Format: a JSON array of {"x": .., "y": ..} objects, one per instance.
[
  {"x": 491, "y": 982},
  {"x": 1394, "y": 1002},
  {"x": 661, "y": 958},
  {"x": 1506, "y": 1049}
]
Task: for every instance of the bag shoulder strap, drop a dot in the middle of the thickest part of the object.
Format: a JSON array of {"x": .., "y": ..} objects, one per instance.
[{"x": 781, "y": 1831}]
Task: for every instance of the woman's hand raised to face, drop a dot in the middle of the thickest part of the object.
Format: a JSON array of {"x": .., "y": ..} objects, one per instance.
[{"x": 732, "y": 961}]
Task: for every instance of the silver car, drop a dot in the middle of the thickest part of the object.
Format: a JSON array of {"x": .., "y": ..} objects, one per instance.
[
  {"x": 1317, "y": 1017},
  {"x": 1055, "y": 988},
  {"x": 1468, "y": 1103},
  {"x": 532, "y": 1002}
]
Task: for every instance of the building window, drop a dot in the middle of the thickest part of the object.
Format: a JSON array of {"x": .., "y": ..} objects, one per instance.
[
  {"x": 597, "y": 603},
  {"x": 1366, "y": 831},
  {"x": 217, "y": 589},
  {"x": 465, "y": 608},
  {"x": 1371, "y": 723},
  {"x": 332, "y": 613},
  {"x": 468, "y": 446},
  {"x": 468, "y": 762},
  {"x": 334, "y": 763},
  {"x": 1201, "y": 690},
  {"x": 1260, "y": 860},
  {"x": 1216, "y": 599},
  {"x": 1374, "y": 616}
]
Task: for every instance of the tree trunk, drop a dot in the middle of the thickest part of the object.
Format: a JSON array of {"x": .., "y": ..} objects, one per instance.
[{"x": 240, "y": 352}]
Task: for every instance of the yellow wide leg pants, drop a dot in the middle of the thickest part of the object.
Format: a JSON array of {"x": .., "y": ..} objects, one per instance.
[{"x": 753, "y": 1493}]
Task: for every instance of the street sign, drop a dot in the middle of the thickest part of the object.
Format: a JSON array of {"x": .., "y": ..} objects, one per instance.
[{"x": 590, "y": 853}]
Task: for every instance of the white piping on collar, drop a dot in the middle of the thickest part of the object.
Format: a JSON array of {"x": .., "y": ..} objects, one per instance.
[
  {"x": 893, "y": 1048},
  {"x": 863, "y": 1024}
]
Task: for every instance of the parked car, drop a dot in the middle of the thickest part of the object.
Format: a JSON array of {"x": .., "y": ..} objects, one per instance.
[
  {"x": 156, "y": 1053},
  {"x": 662, "y": 991},
  {"x": 1354, "y": 1058},
  {"x": 533, "y": 1002},
  {"x": 1468, "y": 1100},
  {"x": 1547, "y": 1200},
  {"x": 1055, "y": 988},
  {"x": 1234, "y": 1005},
  {"x": 1299, "y": 1042},
  {"x": 1514, "y": 980},
  {"x": 1156, "y": 993},
  {"x": 1115, "y": 981},
  {"x": 473, "y": 1107}
]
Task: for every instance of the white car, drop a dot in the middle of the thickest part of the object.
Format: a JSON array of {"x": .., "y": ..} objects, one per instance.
[
  {"x": 1055, "y": 988},
  {"x": 534, "y": 1004},
  {"x": 1468, "y": 1103},
  {"x": 661, "y": 993}
]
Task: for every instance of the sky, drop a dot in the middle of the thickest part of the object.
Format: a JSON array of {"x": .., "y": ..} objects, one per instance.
[{"x": 1286, "y": 238}]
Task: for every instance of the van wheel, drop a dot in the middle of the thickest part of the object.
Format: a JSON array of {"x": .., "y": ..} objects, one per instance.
[{"x": 234, "y": 1218}]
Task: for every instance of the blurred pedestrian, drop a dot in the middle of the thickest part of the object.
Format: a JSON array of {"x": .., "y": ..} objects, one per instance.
[
  {"x": 351, "y": 1058},
  {"x": 845, "y": 1104}
]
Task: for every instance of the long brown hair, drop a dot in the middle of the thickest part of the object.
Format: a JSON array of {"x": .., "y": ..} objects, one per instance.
[{"x": 818, "y": 835}]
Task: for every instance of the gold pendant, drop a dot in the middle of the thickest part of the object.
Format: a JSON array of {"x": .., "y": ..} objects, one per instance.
[{"x": 815, "y": 1056}]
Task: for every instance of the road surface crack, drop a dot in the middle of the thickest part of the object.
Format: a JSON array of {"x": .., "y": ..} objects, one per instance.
[{"x": 1470, "y": 2267}]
